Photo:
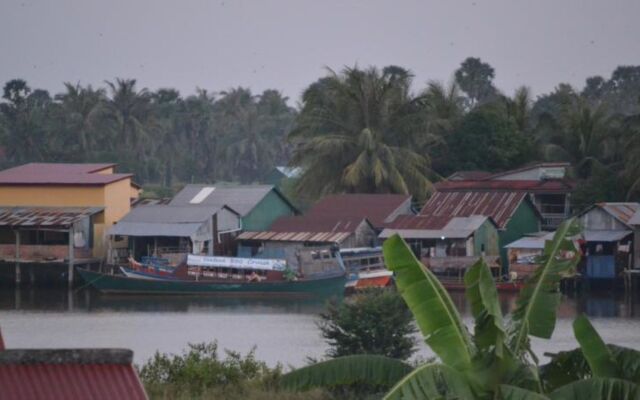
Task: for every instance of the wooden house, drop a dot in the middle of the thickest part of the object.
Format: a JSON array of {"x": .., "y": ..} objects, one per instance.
[
  {"x": 170, "y": 232},
  {"x": 513, "y": 213},
  {"x": 609, "y": 239},
  {"x": 547, "y": 185},
  {"x": 448, "y": 244}
]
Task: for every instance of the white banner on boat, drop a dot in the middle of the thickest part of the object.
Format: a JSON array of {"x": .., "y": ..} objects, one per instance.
[{"x": 235, "y": 262}]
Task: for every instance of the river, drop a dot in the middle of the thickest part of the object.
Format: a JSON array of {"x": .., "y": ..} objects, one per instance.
[{"x": 282, "y": 331}]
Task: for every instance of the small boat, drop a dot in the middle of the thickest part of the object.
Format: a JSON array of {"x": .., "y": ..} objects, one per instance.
[
  {"x": 379, "y": 278},
  {"x": 217, "y": 275}
]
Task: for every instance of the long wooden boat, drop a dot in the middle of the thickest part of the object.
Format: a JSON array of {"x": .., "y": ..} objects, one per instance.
[
  {"x": 107, "y": 283},
  {"x": 217, "y": 275}
]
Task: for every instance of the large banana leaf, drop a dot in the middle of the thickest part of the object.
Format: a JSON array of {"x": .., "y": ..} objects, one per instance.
[
  {"x": 598, "y": 389},
  {"x": 431, "y": 381},
  {"x": 485, "y": 308},
  {"x": 535, "y": 312},
  {"x": 365, "y": 368},
  {"x": 508, "y": 392},
  {"x": 595, "y": 351},
  {"x": 570, "y": 366},
  {"x": 431, "y": 305}
]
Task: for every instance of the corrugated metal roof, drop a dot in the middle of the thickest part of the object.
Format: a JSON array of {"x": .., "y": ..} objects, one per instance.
[
  {"x": 443, "y": 206},
  {"x": 314, "y": 223},
  {"x": 242, "y": 199},
  {"x": 69, "y": 374},
  {"x": 621, "y": 211},
  {"x": 59, "y": 174},
  {"x": 417, "y": 227},
  {"x": 170, "y": 214},
  {"x": 375, "y": 207},
  {"x": 318, "y": 237},
  {"x": 605, "y": 235},
  {"x": 155, "y": 229},
  {"x": 528, "y": 186},
  {"x": 45, "y": 216},
  {"x": 635, "y": 220}
]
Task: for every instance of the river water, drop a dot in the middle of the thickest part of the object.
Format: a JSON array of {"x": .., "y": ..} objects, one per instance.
[{"x": 282, "y": 331}]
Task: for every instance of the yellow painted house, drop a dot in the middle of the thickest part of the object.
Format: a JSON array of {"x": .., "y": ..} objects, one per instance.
[{"x": 54, "y": 185}]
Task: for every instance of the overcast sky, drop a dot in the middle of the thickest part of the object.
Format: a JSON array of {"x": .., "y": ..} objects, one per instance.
[{"x": 285, "y": 44}]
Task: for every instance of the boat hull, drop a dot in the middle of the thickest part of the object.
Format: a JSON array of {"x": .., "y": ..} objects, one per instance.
[{"x": 130, "y": 285}]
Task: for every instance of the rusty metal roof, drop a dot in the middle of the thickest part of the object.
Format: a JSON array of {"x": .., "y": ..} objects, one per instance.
[
  {"x": 529, "y": 186},
  {"x": 377, "y": 208},
  {"x": 443, "y": 206},
  {"x": 316, "y": 237},
  {"x": 69, "y": 374},
  {"x": 623, "y": 212},
  {"x": 60, "y": 174},
  {"x": 315, "y": 223},
  {"x": 45, "y": 216}
]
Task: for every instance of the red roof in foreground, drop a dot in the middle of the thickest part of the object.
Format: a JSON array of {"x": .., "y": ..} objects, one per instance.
[
  {"x": 530, "y": 186},
  {"x": 374, "y": 207},
  {"x": 69, "y": 374},
  {"x": 315, "y": 223},
  {"x": 59, "y": 174},
  {"x": 443, "y": 206}
]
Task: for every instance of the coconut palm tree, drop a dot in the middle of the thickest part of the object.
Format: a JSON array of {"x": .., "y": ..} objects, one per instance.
[
  {"x": 354, "y": 132},
  {"x": 586, "y": 136},
  {"x": 128, "y": 115},
  {"x": 79, "y": 110}
]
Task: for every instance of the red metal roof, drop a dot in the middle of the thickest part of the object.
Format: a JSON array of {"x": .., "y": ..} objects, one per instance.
[
  {"x": 529, "y": 186},
  {"x": 374, "y": 207},
  {"x": 69, "y": 374},
  {"x": 60, "y": 174},
  {"x": 498, "y": 205},
  {"x": 315, "y": 223}
]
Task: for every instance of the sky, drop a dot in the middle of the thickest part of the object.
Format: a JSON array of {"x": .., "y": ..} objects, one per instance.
[{"x": 288, "y": 44}]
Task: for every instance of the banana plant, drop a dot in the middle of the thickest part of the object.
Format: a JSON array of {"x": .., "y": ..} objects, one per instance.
[{"x": 496, "y": 361}]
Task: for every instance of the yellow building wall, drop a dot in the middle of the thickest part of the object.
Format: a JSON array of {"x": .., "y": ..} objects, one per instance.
[{"x": 114, "y": 197}]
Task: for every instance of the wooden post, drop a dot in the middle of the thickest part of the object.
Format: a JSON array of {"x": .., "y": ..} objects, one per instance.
[
  {"x": 71, "y": 258},
  {"x": 18, "y": 277}
]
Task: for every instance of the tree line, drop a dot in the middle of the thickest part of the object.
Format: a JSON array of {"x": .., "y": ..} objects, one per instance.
[{"x": 354, "y": 130}]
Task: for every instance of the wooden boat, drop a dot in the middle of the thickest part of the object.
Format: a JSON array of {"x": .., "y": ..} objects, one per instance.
[{"x": 217, "y": 275}]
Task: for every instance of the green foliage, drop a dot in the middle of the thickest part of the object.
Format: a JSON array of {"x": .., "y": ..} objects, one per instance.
[
  {"x": 201, "y": 368},
  {"x": 376, "y": 321},
  {"x": 431, "y": 381},
  {"x": 595, "y": 351},
  {"x": 374, "y": 370}
]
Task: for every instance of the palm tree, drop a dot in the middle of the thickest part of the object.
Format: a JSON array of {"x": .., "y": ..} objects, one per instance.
[
  {"x": 354, "y": 133},
  {"x": 585, "y": 136},
  {"x": 631, "y": 148},
  {"x": 79, "y": 112},
  {"x": 497, "y": 361},
  {"x": 128, "y": 112},
  {"x": 519, "y": 108}
]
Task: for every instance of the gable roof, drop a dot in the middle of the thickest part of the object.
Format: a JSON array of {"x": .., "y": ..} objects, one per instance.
[
  {"x": 500, "y": 206},
  {"x": 241, "y": 198},
  {"x": 377, "y": 208},
  {"x": 623, "y": 212},
  {"x": 60, "y": 174},
  {"x": 528, "y": 168},
  {"x": 317, "y": 223},
  {"x": 468, "y": 175}
]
